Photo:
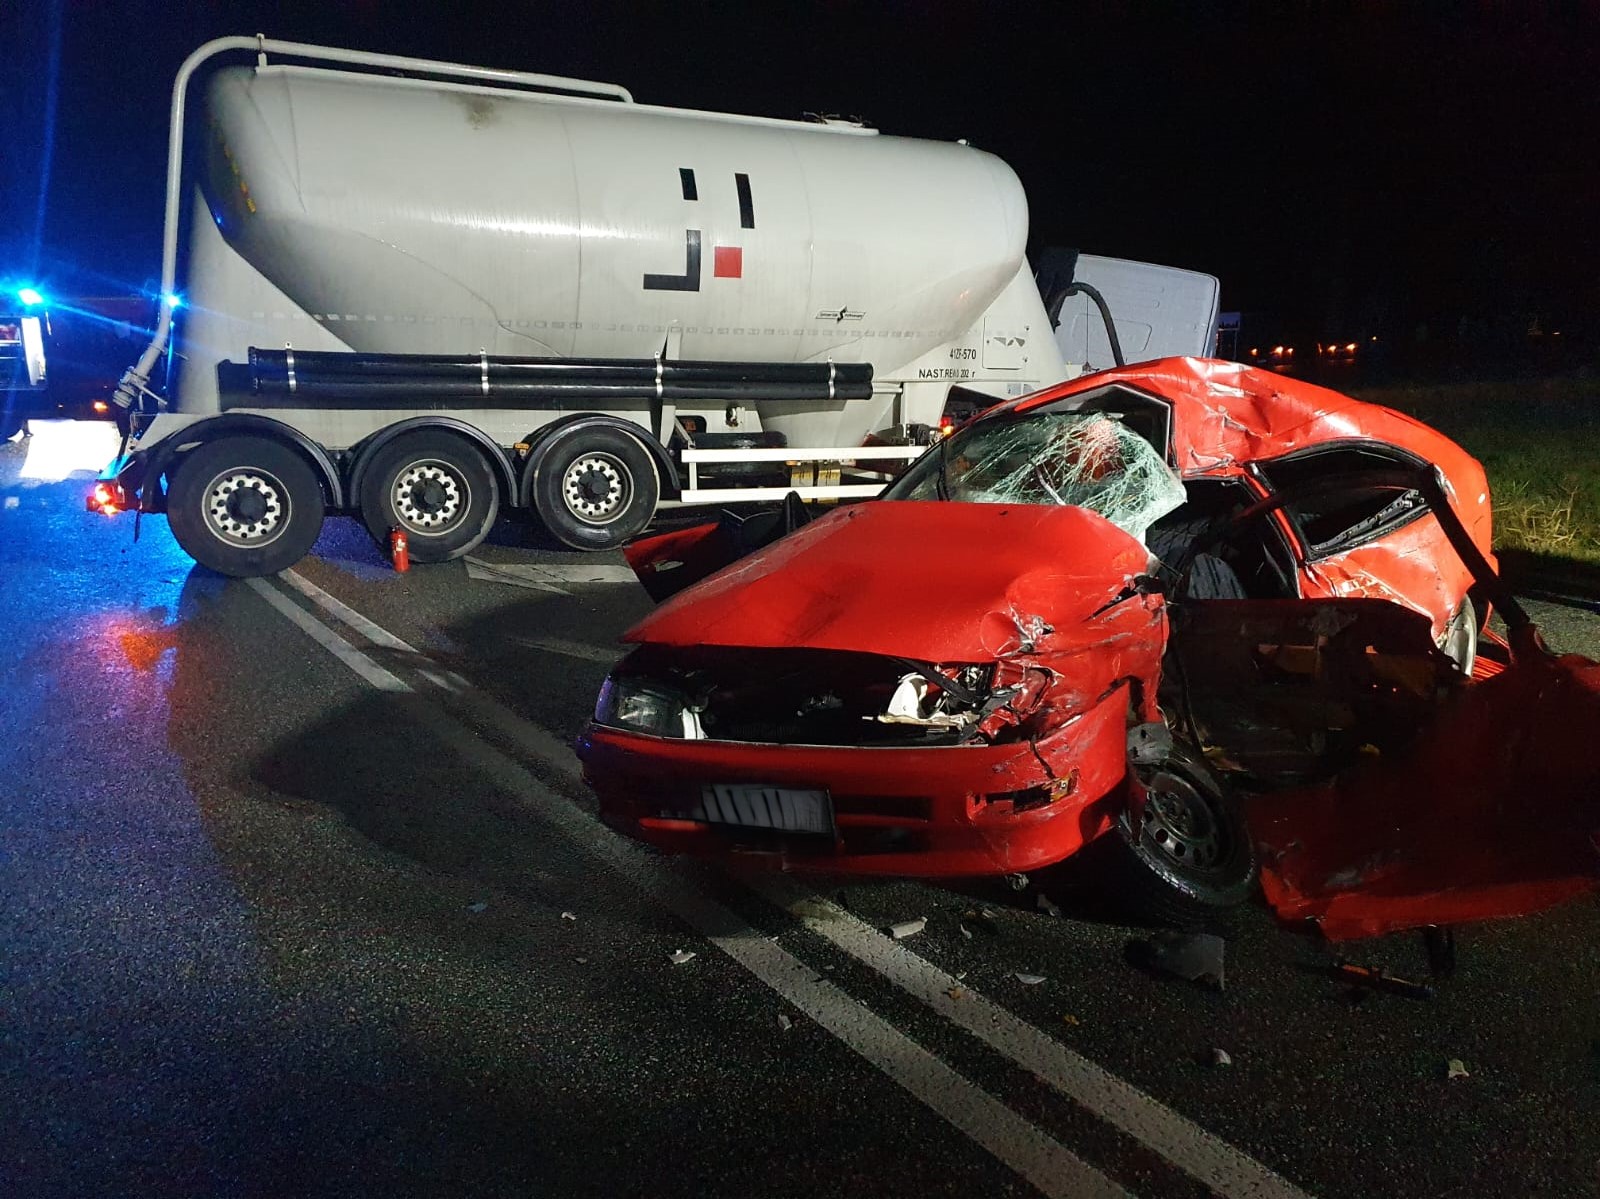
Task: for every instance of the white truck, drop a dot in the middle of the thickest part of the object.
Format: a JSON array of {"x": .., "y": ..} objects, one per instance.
[{"x": 425, "y": 293}]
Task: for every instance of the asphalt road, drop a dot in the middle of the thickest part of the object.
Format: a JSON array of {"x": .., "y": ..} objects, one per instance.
[{"x": 300, "y": 895}]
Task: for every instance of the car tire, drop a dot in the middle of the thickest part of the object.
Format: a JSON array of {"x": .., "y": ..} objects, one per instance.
[
  {"x": 437, "y": 487},
  {"x": 1189, "y": 857},
  {"x": 595, "y": 488},
  {"x": 245, "y": 506},
  {"x": 11, "y": 426}
]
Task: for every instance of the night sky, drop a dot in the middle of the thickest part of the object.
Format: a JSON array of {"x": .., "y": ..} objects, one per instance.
[{"x": 1337, "y": 165}]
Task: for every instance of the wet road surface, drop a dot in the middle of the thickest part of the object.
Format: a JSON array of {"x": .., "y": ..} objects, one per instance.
[{"x": 300, "y": 894}]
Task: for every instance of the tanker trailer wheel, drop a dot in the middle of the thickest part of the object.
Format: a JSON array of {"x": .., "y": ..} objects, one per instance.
[
  {"x": 245, "y": 506},
  {"x": 436, "y": 487},
  {"x": 595, "y": 488}
]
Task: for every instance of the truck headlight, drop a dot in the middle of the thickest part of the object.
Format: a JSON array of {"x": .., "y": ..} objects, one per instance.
[{"x": 646, "y": 707}]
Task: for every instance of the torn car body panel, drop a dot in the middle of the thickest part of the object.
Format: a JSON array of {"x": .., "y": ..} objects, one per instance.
[{"x": 1493, "y": 811}]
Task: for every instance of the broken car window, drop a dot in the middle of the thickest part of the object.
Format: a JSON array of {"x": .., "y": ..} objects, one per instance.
[
  {"x": 1341, "y": 498},
  {"x": 1076, "y": 459}
]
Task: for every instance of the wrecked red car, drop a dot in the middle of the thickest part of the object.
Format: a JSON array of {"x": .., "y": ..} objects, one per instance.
[{"x": 1070, "y": 620}]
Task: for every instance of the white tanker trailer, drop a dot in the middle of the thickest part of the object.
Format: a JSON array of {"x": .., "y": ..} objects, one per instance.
[{"x": 422, "y": 293}]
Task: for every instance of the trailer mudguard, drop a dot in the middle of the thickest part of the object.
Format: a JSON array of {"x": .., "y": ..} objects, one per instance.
[
  {"x": 159, "y": 458},
  {"x": 504, "y": 472},
  {"x": 546, "y": 435}
]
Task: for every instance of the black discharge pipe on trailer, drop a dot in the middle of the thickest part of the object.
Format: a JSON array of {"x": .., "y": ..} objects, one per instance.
[
  {"x": 1105, "y": 314},
  {"x": 277, "y": 375}
]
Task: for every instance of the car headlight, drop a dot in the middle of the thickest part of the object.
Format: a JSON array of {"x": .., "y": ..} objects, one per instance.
[{"x": 646, "y": 707}]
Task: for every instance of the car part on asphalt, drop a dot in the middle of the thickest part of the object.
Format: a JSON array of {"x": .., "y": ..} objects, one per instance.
[
  {"x": 1377, "y": 980},
  {"x": 1193, "y": 957}
]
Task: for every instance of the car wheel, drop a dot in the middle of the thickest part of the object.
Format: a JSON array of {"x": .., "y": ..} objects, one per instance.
[
  {"x": 10, "y": 426},
  {"x": 595, "y": 488},
  {"x": 1460, "y": 638},
  {"x": 245, "y": 506},
  {"x": 1189, "y": 854},
  {"x": 436, "y": 487}
]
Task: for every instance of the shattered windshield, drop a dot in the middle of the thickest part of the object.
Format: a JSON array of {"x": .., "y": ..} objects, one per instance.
[{"x": 1077, "y": 459}]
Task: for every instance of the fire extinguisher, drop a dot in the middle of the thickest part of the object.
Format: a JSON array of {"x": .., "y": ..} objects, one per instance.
[{"x": 399, "y": 550}]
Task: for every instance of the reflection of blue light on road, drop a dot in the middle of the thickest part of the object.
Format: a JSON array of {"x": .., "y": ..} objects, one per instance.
[{"x": 61, "y": 448}]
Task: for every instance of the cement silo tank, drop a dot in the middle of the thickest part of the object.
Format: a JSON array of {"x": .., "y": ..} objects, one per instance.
[{"x": 402, "y": 215}]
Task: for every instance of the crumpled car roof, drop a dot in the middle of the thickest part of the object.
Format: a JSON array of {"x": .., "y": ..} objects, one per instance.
[{"x": 1226, "y": 415}]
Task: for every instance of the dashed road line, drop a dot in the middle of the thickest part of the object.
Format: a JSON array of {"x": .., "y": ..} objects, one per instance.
[{"x": 1199, "y": 1153}]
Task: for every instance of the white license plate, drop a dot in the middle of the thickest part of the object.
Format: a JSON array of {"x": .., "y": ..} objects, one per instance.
[{"x": 782, "y": 809}]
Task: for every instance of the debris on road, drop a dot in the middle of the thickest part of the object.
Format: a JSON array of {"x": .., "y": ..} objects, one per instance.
[
  {"x": 784, "y": 1022},
  {"x": 1019, "y": 882},
  {"x": 1195, "y": 957},
  {"x": 981, "y": 919},
  {"x": 1044, "y": 904},
  {"x": 1455, "y": 1068},
  {"x": 1439, "y": 940},
  {"x": 965, "y": 931},
  {"x": 1069, "y": 1018},
  {"x": 956, "y": 992},
  {"x": 680, "y": 956},
  {"x": 1220, "y": 1057},
  {"x": 1029, "y": 980},
  {"x": 568, "y": 916},
  {"x": 476, "y": 906},
  {"x": 1377, "y": 980},
  {"x": 908, "y": 928}
]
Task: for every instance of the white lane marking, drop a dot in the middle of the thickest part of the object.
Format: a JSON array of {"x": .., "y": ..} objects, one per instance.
[
  {"x": 555, "y": 577},
  {"x": 1018, "y": 1143},
  {"x": 1226, "y": 1170},
  {"x": 327, "y": 638},
  {"x": 1179, "y": 1140}
]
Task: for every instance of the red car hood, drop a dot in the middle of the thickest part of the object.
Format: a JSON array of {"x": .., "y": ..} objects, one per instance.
[{"x": 936, "y": 581}]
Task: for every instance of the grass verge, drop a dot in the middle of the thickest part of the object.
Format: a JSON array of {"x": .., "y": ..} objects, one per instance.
[{"x": 1539, "y": 442}]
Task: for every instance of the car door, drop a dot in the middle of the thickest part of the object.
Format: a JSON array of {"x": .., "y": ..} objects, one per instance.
[{"x": 1362, "y": 530}]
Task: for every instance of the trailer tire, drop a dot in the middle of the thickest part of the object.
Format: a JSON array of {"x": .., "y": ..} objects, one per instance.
[
  {"x": 245, "y": 506},
  {"x": 435, "y": 486},
  {"x": 595, "y": 488}
]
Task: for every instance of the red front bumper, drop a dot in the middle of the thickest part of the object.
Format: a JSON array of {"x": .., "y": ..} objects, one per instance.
[{"x": 920, "y": 812}]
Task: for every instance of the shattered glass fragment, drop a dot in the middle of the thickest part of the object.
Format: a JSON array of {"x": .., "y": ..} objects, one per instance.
[{"x": 1072, "y": 459}]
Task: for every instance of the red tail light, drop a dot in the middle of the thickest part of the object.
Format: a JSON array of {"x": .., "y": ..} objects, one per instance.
[{"x": 107, "y": 497}]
